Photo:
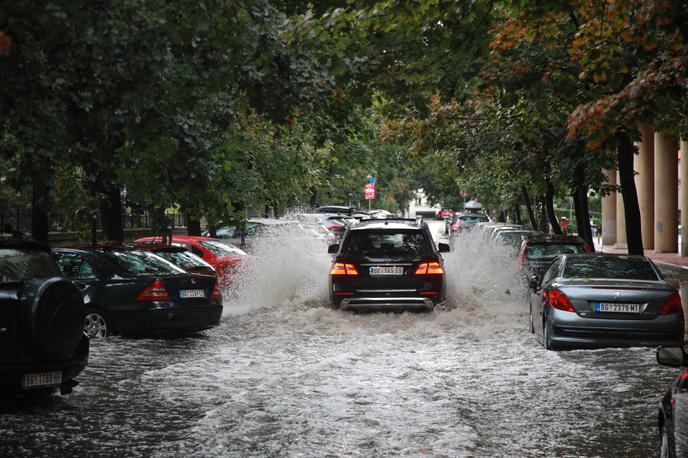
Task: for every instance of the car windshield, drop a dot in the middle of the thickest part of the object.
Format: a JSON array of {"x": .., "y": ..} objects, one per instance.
[
  {"x": 387, "y": 243},
  {"x": 551, "y": 250},
  {"x": 19, "y": 264},
  {"x": 222, "y": 249},
  {"x": 184, "y": 259},
  {"x": 512, "y": 238},
  {"x": 143, "y": 263},
  {"x": 610, "y": 267}
]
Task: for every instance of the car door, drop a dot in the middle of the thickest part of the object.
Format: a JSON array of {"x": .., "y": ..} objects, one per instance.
[{"x": 81, "y": 271}]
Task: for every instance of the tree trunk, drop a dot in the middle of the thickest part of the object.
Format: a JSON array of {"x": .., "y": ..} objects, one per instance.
[
  {"x": 314, "y": 197},
  {"x": 40, "y": 221},
  {"x": 580, "y": 202},
  {"x": 549, "y": 206},
  {"x": 542, "y": 220},
  {"x": 111, "y": 214},
  {"x": 159, "y": 223},
  {"x": 501, "y": 217},
  {"x": 517, "y": 215},
  {"x": 193, "y": 226},
  {"x": 625, "y": 152},
  {"x": 529, "y": 207}
]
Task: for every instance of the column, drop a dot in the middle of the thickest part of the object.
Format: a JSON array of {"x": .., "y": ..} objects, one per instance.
[
  {"x": 620, "y": 220},
  {"x": 609, "y": 211},
  {"x": 666, "y": 193},
  {"x": 683, "y": 196},
  {"x": 645, "y": 184}
]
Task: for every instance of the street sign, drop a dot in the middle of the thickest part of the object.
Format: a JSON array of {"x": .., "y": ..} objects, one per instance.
[{"x": 369, "y": 191}]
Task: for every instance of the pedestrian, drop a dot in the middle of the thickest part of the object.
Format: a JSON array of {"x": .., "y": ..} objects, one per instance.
[
  {"x": 593, "y": 229},
  {"x": 563, "y": 225}
]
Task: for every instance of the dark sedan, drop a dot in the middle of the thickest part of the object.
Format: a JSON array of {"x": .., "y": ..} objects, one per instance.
[
  {"x": 537, "y": 252},
  {"x": 130, "y": 291},
  {"x": 673, "y": 408},
  {"x": 604, "y": 300}
]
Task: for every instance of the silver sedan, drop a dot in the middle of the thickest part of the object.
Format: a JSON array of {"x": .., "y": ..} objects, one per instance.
[{"x": 604, "y": 300}]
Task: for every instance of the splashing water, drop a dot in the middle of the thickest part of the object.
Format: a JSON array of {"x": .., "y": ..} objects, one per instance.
[{"x": 287, "y": 267}]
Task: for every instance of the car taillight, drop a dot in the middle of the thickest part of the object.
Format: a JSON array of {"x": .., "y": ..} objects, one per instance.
[
  {"x": 340, "y": 268},
  {"x": 559, "y": 301},
  {"x": 429, "y": 268},
  {"x": 672, "y": 305},
  {"x": 335, "y": 227},
  {"x": 217, "y": 293},
  {"x": 156, "y": 291}
]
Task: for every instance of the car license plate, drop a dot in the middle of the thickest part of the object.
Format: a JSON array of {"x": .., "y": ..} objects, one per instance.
[
  {"x": 191, "y": 293},
  {"x": 617, "y": 308},
  {"x": 41, "y": 379},
  {"x": 387, "y": 270}
]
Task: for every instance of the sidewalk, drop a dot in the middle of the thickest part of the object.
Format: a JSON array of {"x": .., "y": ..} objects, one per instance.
[{"x": 667, "y": 258}]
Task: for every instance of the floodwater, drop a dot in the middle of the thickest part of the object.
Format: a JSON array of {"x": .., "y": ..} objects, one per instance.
[{"x": 285, "y": 376}]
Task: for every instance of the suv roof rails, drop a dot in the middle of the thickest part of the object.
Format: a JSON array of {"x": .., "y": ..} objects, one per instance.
[{"x": 417, "y": 221}]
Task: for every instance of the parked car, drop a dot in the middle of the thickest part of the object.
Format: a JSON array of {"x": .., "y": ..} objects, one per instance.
[
  {"x": 445, "y": 213},
  {"x": 538, "y": 252},
  {"x": 673, "y": 408},
  {"x": 387, "y": 264},
  {"x": 131, "y": 291},
  {"x": 604, "y": 300},
  {"x": 224, "y": 257},
  {"x": 41, "y": 322},
  {"x": 334, "y": 223},
  {"x": 514, "y": 237},
  {"x": 466, "y": 222},
  {"x": 245, "y": 237},
  {"x": 341, "y": 209}
]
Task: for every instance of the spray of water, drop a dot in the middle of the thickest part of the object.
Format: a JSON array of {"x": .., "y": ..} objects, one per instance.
[{"x": 288, "y": 266}]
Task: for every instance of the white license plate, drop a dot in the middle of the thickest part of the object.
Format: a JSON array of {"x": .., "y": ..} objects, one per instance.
[
  {"x": 191, "y": 293},
  {"x": 386, "y": 270},
  {"x": 617, "y": 308},
  {"x": 41, "y": 379}
]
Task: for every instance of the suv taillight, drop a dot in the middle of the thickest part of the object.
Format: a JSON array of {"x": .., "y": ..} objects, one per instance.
[
  {"x": 217, "y": 293},
  {"x": 340, "y": 268},
  {"x": 560, "y": 301},
  {"x": 156, "y": 291},
  {"x": 429, "y": 268},
  {"x": 672, "y": 305}
]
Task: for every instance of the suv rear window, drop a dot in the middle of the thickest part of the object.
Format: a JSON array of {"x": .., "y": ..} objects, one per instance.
[
  {"x": 551, "y": 250},
  {"x": 18, "y": 264},
  {"x": 387, "y": 243}
]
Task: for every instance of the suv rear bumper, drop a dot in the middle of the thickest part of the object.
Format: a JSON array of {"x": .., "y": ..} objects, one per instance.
[{"x": 387, "y": 303}]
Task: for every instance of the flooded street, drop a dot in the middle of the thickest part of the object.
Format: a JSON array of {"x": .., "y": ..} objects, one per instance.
[{"x": 286, "y": 376}]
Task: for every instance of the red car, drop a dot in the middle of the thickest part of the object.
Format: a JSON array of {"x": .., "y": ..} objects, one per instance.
[
  {"x": 223, "y": 256},
  {"x": 445, "y": 213}
]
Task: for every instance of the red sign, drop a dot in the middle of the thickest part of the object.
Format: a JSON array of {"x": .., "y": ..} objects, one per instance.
[{"x": 369, "y": 191}]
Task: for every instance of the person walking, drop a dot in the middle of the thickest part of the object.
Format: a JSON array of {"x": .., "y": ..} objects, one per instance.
[{"x": 563, "y": 225}]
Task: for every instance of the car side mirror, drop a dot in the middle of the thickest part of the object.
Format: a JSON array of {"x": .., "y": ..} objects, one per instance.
[
  {"x": 332, "y": 249},
  {"x": 534, "y": 282},
  {"x": 671, "y": 356},
  {"x": 443, "y": 248}
]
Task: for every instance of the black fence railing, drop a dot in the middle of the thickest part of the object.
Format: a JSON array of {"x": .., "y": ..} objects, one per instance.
[{"x": 12, "y": 221}]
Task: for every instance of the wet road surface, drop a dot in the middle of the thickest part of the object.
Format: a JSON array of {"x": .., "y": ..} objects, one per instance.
[{"x": 285, "y": 376}]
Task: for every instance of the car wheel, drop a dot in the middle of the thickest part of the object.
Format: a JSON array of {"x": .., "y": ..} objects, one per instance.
[
  {"x": 546, "y": 337},
  {"x": 531, "y": 325},
  {"x": 97, "y": 324}
]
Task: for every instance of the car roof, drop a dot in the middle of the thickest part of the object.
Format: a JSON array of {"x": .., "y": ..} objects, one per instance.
[
  {"x": 271, "y": 221},
  {"x": 605, "y": 256},
  {"x": 180, "y": 238},
  {"x": 388, "y": 223},
  {"x": 334, "y": 209},
  {"x": 547, "y": 239}
]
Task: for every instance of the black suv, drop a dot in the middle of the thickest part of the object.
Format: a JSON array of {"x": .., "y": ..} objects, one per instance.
[
  {"x": 387, "y": 264},
  {"x": 41, "y": 322}
]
